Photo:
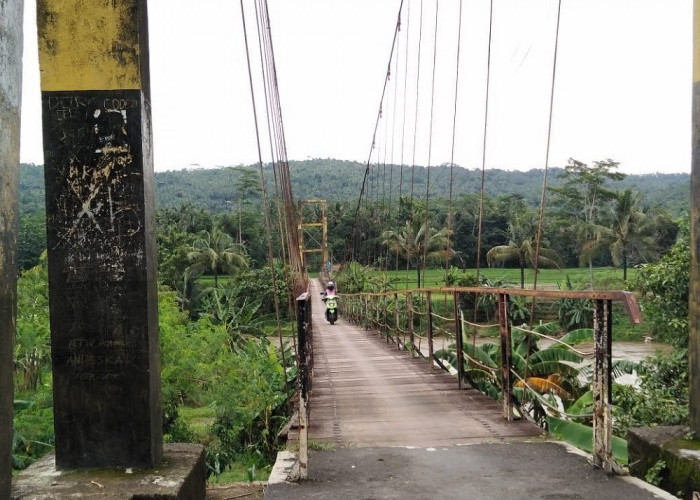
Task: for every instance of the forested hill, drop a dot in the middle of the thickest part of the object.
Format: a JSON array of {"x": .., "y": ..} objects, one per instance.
[{"x": 337, "y": 180}]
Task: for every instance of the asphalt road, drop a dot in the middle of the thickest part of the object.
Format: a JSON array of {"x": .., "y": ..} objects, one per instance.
[{"x": 519, "y": 470}]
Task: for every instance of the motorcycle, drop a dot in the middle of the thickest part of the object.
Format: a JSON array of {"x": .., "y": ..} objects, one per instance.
[{"x": 331, "y": 308}]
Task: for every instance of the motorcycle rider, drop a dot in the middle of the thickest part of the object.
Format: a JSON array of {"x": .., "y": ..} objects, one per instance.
[{"x": 330, "y": 292}]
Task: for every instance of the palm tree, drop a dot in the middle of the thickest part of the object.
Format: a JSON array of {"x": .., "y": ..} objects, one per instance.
[
  {"x": 215, "y": 252},
  {"x": 521, "y": 248},
  {"x": 630, "y": 231},
  {"x": 417, "y": 246}
]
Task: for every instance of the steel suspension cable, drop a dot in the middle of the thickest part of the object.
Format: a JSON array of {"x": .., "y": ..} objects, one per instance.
[
  {"x": 403, "y": 117},
  {"x": 281, "y": 227},
  {"x": 415, "y": 135},
  {"x": 376, "y": 126},
  {"x": 393, "y": 102},
  {"x": 483, "y": 153},
  {"x": 452, "y": 151},
  {"x": 544, "y": 180},
  {"x": 392, "y": 160},
  {"x": 415, "y": 119},
  {"x": 546, "y": 163},
  {"x": 263, "y": 189},
  {"x": 285, "y": 181},
  {"x": 426, "y": 235}
]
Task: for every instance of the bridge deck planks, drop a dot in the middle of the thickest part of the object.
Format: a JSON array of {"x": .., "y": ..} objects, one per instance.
[{"x": 367, "y": 393}]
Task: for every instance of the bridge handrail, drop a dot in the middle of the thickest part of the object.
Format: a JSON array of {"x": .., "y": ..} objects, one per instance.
[
  {"x": 628, "y": 299},
  {"x": 370, "y": 314}
]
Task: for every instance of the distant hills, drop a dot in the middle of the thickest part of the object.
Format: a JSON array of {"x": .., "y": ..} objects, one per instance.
[{"x": 338, "y": 180}]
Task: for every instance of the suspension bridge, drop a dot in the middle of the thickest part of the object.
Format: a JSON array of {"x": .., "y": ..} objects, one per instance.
[{"x": 384, "y": 423}]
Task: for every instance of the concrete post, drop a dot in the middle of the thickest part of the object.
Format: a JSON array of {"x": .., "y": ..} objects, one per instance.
[
  {"x": 694, "y": 302},
  {"x": 10, "y": 101},
  {"x": 103, "y": 299}
]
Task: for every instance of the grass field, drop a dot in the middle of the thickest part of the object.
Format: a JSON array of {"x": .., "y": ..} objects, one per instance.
[{"x": 604, "y": 277}]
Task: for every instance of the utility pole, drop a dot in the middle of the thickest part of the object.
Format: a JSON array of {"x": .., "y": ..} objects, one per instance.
[
  {"x": 694, "y": 291},
  {"x": 11, "y": 12}
]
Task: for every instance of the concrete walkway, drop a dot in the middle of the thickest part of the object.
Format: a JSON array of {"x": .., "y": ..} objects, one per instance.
[{"x": 393, "y": 427}]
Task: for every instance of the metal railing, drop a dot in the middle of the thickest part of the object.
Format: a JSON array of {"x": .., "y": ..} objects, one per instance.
[
  {"x": 305, "y": 363},
  {"x": 409, "y": 318}
]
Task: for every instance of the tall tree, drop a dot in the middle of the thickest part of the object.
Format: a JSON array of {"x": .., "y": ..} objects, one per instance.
[
  {"x": 417, "y": 245},
  {"x": 215, "y": 252},
  {"x": 247, "y": 188},
  {"x": 521, "y": 247},
  {"x": 584, "y": 195},
  {"x": 629, "y": 232}
]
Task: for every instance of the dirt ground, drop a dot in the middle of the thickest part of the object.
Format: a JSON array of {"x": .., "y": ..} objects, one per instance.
[{"x": 236, "y": 491}]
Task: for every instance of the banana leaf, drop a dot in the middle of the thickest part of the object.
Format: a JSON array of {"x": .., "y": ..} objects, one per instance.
[
  {"x": 482, "y": 355},
  {"x": 619, "y": 367},
  {"x": 556, "y": 355},
  {"x": 545, "y": 385},
  {"x": 581, "y": 436},
  {"x": 582, "y": 405},
  {"x": 575, "y": 337}
]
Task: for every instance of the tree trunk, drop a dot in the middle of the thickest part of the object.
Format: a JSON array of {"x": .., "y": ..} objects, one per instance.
[
  {"x": 240, "y": 236},
  {"x": 624, "y": 265},
  {"x": 418, "y": 271}
]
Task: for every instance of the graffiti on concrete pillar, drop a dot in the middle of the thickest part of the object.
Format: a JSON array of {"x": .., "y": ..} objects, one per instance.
[{"x": 94, "y": 182}]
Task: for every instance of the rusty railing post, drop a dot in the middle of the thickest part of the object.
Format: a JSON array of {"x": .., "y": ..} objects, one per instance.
[
  {"x": 377, "y": 313},
  {"x": 506, "y": 379},
  {"x": 602, "y": 385},
  {"x": 428, "y": 297},
  {"x": 396, "y": 318},
  {"x": 409, "y": 301},
  {"x": 363, "y": 311},
  {"x": 304, "y": 337},
  {"x": 459, "y": 341},
  {"x": 385, "y": 322}
]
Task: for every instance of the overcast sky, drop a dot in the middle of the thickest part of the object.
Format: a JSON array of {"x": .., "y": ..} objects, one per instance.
[{"x": 623, "y": 82}]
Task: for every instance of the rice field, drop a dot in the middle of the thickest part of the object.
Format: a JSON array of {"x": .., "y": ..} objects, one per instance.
[{"x": 603, "y": 277}]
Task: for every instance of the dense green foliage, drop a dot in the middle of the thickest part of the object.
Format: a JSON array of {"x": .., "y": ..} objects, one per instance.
[
  {"x": 220, "y": 359},
  {"x": 193, "y": 201},
  {"x": 32, "y": 343},
  {"x": 664, "y": 290},
  {"x": 662, "y": 398},
  {"x": 337, "y": 180},
  {"x": 206, "y": 363}
]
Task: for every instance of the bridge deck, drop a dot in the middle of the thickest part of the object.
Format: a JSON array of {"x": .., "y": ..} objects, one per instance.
[
  {"x": 367, "y": 393},
  {"x": 396, "y": 424}
]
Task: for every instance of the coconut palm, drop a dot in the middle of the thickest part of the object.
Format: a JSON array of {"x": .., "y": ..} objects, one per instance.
[
  {"x": 630, "y": 231},
  {"x": 217, "y": 253},
  {"x": 417, "y": 246},
  {"x": 521, "y": 248}
]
